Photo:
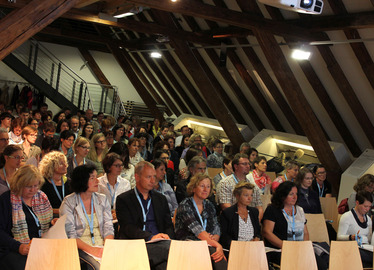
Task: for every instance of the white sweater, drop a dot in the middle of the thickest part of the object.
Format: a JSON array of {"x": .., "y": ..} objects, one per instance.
[{"x": 348, "y": 226}]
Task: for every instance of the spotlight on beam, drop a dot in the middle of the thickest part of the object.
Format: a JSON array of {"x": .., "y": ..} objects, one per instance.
[
  {"x": 155, "y": 55},
  {"x": 301, "y": 54}
]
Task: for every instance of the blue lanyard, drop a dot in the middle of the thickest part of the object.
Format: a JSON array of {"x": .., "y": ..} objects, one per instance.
[
  {"x": 35, "y": 218},
  {"x": 56, "y": 190},
  {"x": 161, "y": 190},
  {"x": 285, "y": 177},
  {"x": 320, "y": 192},
  {"x": 6, "y": 180},
  {"x": 110, "y": 191},
  {"x": 141, "y": 205},
  {"x": 293, "y": 221},
  {"x": 236, "y": 179},
  {"x": 90, "y": 221},
  {"x": 198, "y": 213},
  {"x": 223, "y": 172},
  {"x": 76, "y": 162}
]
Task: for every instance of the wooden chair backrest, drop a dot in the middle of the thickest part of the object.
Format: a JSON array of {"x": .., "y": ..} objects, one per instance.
[
  {"x": 344, "y": 255},
  {"x": 272, "y": 175},
  {"x": 330, "y": 210},
  {"x": 266, "y": 200},
  {"x": 187, "y": 255},
  {"x": 247, "y": 255},
  {"x": 214, "y": 171},
  {"x": 53, "y": 254},
  {"x": 298, "y": 255},
  {"x": 317, "y": 229},
  {"x": 124, "y": 254}
]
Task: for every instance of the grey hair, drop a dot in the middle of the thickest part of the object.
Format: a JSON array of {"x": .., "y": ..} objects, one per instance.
[
  {"x": 194, "y": 161},
  {"x": 244, "y": 144}
]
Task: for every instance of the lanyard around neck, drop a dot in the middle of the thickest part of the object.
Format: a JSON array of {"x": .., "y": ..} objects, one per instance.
[
  {"x": 292, "y": 222},
  {"x": 76, "y": 162},
  {"x": 235, "y": 179},
  {"x": 199, "y": 215},
  {"x": 145, "y": 213},
  {"x": 320, "y": 192},
  {"x": 6, "y": 180},
  {"x": 114, "y": 191},
  {"x": 161, "y": 190},
  {"x": 90, "y": 220},
  {"x": 56, "y": 190},
  {"x": 36, "y": 219}
]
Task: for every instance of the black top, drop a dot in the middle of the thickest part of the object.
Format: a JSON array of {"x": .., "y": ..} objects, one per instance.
[
  {"x": 308, "y": 199},
  {"x": 48, "y": 189},
  {"x": 229, "y": 220},
  {"x": 326, "y": 188},
  {"x": 280, "y": 227}
]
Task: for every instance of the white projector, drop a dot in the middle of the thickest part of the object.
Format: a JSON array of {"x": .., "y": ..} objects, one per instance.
[{"x": 303, "y": 6}]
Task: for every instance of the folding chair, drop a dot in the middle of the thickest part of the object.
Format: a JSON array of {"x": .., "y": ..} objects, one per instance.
[
  {"x": 247, "y": 255},
  {"x": 344, "y": 255},
  {"x": 317, "y": 229},
  {"x": 298, "y": 255}
]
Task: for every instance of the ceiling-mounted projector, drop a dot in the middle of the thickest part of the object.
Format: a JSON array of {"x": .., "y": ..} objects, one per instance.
[{"x": 303, "y": 6}]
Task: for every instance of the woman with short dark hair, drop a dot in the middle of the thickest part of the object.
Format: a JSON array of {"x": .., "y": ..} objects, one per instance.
[
  {"x": 128, "y": 170},
  {"x": 89, "y": 218}
]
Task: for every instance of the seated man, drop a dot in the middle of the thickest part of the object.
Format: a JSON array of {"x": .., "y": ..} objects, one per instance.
[{"x": 144, "y": 214}]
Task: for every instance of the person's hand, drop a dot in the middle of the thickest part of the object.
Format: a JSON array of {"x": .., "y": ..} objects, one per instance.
[
  {"x": 255, "y": 239},
  {"x": 114, "y": 215},
  {"x": 161, "y": 236},
  {"x": 53, "y": 222},
  {"x": 96, "y": 251},
  {"x": 218, "y": 255},
  {"x": 24, "y": 249},
  {"x": 214, "y": 237}
]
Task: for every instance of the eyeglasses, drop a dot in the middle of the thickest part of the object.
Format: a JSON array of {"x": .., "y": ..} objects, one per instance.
[
  {"x": 321, "y": 173},
  {"x": 101, "y": 141},
  {"x": 245, "y": 164},
  {"x": 4, "y": 139},
  {"x": 118, "y": 165},
  {"x": 85, "y": 147},
  {"x": 16, "y": 157}
]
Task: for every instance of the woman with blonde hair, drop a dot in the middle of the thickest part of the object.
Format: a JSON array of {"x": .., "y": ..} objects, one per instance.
[
  {"x": 30, "y": 150},
  {"x": 53, "y": 167},
  {"x": 81, "y": 147},
  {"x": 25, "y": 213},
  {"x": 98, "y": 152}
]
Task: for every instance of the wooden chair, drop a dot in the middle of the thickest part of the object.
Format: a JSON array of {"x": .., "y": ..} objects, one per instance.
[
  {"x": 344, "y": 255},
  {"x": 298, "y": 255},
  {"x": 247, "y": 255},
  {"x": 53, "y": 254},
  {"x": 125, "y": 254},
  {"x": 330, "y": 210},
  {"x": 214, "y": 171},
  {"x": 272, "y": 175},
  {"x": 266, "y": 200},
  {"x": 317, "y": 229},
  {"x": 187, "y": 255}
]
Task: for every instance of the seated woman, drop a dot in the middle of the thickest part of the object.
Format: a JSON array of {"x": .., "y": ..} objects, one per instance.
[
  {"x": 128, "y": 170},
  {"x": 240, "y": 221},
  {"x": 87, "y": 131},
  {"x": 179, "y": 149},
  {"x": 111, "y": 184},
  {"x": 365, "y": 183},
  {"x": 98, "y": 152},
  {"x": 284, "y": 220},
  {"x": 292, "y": 169},
  {"x": 53, "y": 167},
  {"x": 30, "y": 151},
  {"x": 81, "y": 149},
  {"x": 320, "y": 183},
  {"x": 196, "y": 218},
  {"x": 164, "y": 156},
  {"x": 356, "y": 225},
  {"x": 10, "y": 161},
  {"x": 227, "y": 170},
  {"x": 89, "y": 218},
  {"x": 62, "y": 125},
  {"x": 162, "y": 186},
  {"x": 258, "y": 176},
  {"x": 66, "y": 141},
  {"x": 15, "y": 134},
  {"x": 25, "y": 213},
  {"x": 308, "y": 199},
  {"x": 135, "y": 156}
]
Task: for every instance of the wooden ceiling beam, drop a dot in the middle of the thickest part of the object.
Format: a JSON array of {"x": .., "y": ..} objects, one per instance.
[
  {"x": 209, "y": 12},
  {"x": 20, "y": 25},
  {"x": 92, "y": 64},
  {"x": 84, "y": 3}
]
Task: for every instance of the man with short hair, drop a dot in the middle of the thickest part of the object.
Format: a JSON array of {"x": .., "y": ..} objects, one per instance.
[
  {"x": 6, "y": 120},
  {"x": 244, "y": 147},
  {"x": 25, "y": 115},
  {"x": 184, "y": 130},
  {"x": 43, "y": 108},
  {"x": 225, "y": 188},
  {"x": 4, "y": 139},
  {"x": 74, "y": 125},
  {"x": 143, "y": 213},
  {"x": 49, "y": 130}
]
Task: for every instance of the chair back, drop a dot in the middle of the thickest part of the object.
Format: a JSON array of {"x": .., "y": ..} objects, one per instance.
[
  {"x": 344, "y": 255},
  {"x": 187, "y": 255},
  {"x": 214, "y": 171},
  {"x": 330, "y": 210},
  {"x": 124, "y": 254},
  {"x": 53, "y": 254},
  {"x": 247, "y": 255},
  {"x": 298, "y": 255},
  {"x": 317, "y": 229},
  {"x": 266, "y": 200}
]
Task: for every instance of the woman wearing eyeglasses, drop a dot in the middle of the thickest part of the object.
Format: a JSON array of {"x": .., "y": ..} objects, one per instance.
[
  {"x": 81, "y": 149},
  {"x": 111, "y": 184},
  {"x": 98, "y": 152},
  {"x": 15, "y": 134},
  {"x": 320, "y": 183},
  {"x": 56, "y": 186},
  {"x": 10, "y": 161},
  {"x": 30, "y": 150}
]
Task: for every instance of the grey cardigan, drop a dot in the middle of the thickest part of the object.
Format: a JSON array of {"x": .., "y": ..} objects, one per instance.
[{"x": 76, "y": 220}]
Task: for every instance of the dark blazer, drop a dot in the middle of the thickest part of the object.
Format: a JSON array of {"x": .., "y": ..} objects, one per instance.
[
  {"x": 229, "y": 220},
  {"x": 130, "y": 216},
  {"x": 71, "y": 165}
]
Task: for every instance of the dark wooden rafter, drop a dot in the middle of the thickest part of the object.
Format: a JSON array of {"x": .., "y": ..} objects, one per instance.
[
  {"x": 20, "y": 25},
  {"x": 324, "y": 97},
  {"x": 209, "y": 12},
  {"x": 94, "y": 66},
  {"x": 359, "y": 49}
]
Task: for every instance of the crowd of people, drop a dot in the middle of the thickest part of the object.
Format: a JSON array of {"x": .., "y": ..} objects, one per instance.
[{"x": 125, "y": 179}]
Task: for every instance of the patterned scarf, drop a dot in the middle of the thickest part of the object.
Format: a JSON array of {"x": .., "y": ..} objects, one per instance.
[
  {"x": 261, "y": 181},
  {"x": 40, "y": 206}
]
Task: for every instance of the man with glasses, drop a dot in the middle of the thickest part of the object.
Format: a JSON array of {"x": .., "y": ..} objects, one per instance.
[
  {"x": 4, "y": 139},
  {"x": 225, "y": 188}
]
